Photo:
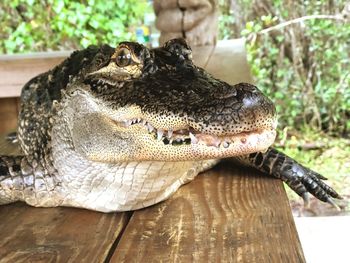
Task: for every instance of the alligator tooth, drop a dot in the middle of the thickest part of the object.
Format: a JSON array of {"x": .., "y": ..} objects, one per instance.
[
  {"x": 171, "y": 140},
  {"x": 129, "y": 122},
  {"x": 150, "y": 127},
  {"x": 170, "y": 133},
  {"x": 144, "y": 122},
  {"x": 178, "y": 140},
  {"x": 215, "y": 143},
  {"x": 264, "y": 151},
  {"x": 226, "y": 144},
  {"x": 194, "y": 140},
  {"x": 138, "y": 120},
  {"x": 159, "y": 135}
]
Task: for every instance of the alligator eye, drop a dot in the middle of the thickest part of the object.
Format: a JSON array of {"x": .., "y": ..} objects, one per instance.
[{"x": 123, "y": 57}]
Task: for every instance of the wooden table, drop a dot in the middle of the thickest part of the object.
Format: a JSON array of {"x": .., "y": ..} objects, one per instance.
[{"x": 227, "y": 214}]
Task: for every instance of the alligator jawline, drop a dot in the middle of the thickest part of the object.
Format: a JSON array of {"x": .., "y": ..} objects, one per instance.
[{"x": 190, "y": 135}]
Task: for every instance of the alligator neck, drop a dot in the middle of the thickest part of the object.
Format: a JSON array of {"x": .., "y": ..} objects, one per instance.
[{"x": 125, "y": 185}]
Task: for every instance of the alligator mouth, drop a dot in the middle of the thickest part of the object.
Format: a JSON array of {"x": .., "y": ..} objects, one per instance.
[{"x": 190, "y": 136}]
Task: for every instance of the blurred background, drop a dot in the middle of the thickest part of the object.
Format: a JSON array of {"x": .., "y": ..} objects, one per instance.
[{"x": 303, "y": 65}]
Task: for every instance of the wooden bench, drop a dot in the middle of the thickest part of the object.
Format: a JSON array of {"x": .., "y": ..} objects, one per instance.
[{"x": 229, "y": 213}]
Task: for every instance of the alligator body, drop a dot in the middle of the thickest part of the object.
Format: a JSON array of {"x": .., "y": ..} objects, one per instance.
[{"x": 122, "y": 129}]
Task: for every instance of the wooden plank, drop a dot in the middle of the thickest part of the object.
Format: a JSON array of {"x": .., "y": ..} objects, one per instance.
[
  {"x": 16, "y": 70},
  {"x": 30, "y": 234},
  {"x": 8, "y": 114},
  {"x": 225, "y": 215}
]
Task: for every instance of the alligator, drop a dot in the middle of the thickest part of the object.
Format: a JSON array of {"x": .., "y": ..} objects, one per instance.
[{"x": 118, "y": 129}]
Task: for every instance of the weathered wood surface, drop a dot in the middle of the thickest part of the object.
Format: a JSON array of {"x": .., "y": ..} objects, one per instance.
[
  {"x": 15, "y": 70},
  {"x": 226, "y": 214},
  {"x": 57, "y": 234},
  {"x": 9, "y": 109}
]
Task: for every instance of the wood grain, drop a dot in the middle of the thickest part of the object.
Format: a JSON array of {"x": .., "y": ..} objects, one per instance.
[
  {"x": 225, "y": 215},
  {"x": 8, "y": 114},
  {"x": 30, "y": 234},
  {"x": 16, "y": 70}
]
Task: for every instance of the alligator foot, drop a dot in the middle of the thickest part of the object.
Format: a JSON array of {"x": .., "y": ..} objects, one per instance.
[
  {"x": 9, "y": 185},
  {"x": 300, "y": 179},
  {"x": 18, "y": 183}
]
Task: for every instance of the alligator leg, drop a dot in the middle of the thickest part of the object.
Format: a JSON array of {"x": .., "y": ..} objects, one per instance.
[
  {"x": 20, "y": 181},
  {"x": 298, "y": 177}
]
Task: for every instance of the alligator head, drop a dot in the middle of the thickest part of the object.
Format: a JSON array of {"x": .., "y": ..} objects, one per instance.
[{"x": 155, "y": 104}]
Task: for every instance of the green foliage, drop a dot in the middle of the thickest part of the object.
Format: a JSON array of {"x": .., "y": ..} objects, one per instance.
[
  {"x": 316, "y": 95},
  {"x": 305, "y": 67},
  {"x": 226, "y": 21},
  {"x": 331, "y": 48},
  {"x": 28, "y": 25}
]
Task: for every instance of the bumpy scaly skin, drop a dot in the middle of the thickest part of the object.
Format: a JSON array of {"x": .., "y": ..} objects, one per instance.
[
  {"x": 301, "y": 179},
  {"x": 121, "y": 129}
]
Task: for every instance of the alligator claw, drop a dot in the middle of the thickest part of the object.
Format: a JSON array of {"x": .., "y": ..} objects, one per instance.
[
  {"x": 300, "y": 179},
  {"x": 306, "y": 198},
  {"x": 331, "y": 202},
  {"x": 313, "y": 184}
]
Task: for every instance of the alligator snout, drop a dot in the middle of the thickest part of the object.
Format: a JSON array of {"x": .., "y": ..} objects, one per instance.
[{"x": 234, "y": 109}]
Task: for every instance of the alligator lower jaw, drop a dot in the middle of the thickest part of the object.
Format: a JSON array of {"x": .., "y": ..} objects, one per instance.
[
  {"x": 191, "y": 137},
  {"x": 240, "y": 144}
]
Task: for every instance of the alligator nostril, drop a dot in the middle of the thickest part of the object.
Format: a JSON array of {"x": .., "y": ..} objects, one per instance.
[{"x": 251, "y": 101}]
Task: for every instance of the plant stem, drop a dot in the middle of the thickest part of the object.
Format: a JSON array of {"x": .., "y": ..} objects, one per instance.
[{"x": 298, "y": 20}]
